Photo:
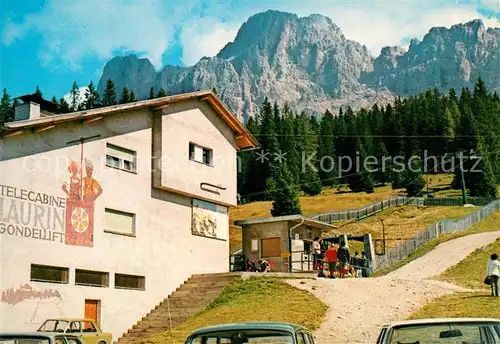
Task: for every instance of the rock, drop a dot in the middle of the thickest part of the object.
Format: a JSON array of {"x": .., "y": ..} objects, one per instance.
[{"x": 308, "y": 62}]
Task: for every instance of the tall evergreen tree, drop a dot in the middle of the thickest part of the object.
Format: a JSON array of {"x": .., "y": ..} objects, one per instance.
[
  {"x": 91, "y": 97},
  {"x": 151, "y": 93},
  {"x": 161, "y": 93},
  {"x": 109, "y": 96},
  {"x": 132, "y": 97},
  {"x": 38, "y": 92},
  {"x": 284, "y": 194},
  {"x": 74, "y": 96},
  {"x": 5, "y": 108},
  {"x": 125, "y": 95},
  {"x": 64, "y": 105},
  {"x": 309, "y": 177},
  {"x": 326, "y": 154}
]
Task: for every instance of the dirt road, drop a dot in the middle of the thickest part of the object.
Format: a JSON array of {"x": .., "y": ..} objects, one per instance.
[{"x": 360, "y": 306}]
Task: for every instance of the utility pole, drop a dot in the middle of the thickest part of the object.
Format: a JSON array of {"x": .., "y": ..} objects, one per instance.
[{"x": 383, "y": 233}]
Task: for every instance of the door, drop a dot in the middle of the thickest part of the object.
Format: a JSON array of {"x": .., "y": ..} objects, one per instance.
[{"x": 92, "y": 310}]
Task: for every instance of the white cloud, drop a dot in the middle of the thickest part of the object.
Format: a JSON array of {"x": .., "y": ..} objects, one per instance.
[
  {"x": 73, "y": 31},
  {"x": 205, "y": 37}
]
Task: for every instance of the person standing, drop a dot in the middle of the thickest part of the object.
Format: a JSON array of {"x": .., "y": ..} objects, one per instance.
[
  {"x": 365, "y": 264},
  {"x": 331, "y": 258},
  {"x": 358, "y": 264},
  {"x": 344, "y": 257},
  {"x": 316, "y": 248},
  {"x": 493, "y": 271}
]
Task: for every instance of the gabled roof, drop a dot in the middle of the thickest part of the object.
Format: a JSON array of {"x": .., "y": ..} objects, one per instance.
[
  {"x": 244, "y": 139},
  {"x": 294, "y": 218}
]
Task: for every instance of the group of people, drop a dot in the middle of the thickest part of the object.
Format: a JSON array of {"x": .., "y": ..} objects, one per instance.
[
  {"x": 338, "y": 260},
  {"x": 261, "y": 266}
]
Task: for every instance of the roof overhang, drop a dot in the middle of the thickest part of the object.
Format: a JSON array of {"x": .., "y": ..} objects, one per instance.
[
  {"x": 292, "y": 218},
  {"x": 244, "y": 139}
]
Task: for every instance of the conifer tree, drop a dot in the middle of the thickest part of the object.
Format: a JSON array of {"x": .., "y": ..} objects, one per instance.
[
  {"x": 64, "y": 105},
  {"x": 74, "y": 96},
  {"x": 132, "y": 97},
  {"x": 284, "y": 194},
  {"x": 109, "y": 96},
  {"x": 5, "y": 108},
  {"x": 38, "y": 92},
  {"x": 161, "y": 93},
  {"x": 91, "y": 97},
  {"x": 413, "y": 181},
  {"x": 125, "y": 96},
  {"x": 309, "y": 177},
  {"x": 151, "y": 93},
  {"x": 326, "y": 154}
]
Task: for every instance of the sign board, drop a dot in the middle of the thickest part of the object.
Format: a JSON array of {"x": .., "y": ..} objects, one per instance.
[{"x": 209, "y": 220}]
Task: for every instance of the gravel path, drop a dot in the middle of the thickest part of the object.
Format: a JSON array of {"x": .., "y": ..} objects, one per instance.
[
  {"x": 445, "y": 255},
  {"x": 359, "y": 307}
]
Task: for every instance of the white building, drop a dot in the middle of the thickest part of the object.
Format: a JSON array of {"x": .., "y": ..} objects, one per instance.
[{"x": 104, "y": 212}]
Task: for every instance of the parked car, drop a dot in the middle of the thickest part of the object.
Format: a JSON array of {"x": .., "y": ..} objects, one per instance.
[
  {"x": 445, "y": 330},
  {"x": 86, "y": 329},
  {"x": 252, "y": 333},
  {"x": 39, "y": 338}
]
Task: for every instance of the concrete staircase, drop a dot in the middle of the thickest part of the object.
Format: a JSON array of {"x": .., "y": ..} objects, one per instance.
[{"x": 187, "y": 300}]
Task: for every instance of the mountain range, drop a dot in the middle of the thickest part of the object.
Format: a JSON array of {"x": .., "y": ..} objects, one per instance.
[{"x": 309, "y": 63}]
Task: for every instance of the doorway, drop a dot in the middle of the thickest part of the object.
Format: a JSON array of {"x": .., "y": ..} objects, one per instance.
[{"x": 92, "y": 310}]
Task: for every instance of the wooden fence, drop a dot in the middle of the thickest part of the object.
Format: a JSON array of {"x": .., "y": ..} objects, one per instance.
[
  {"x": 405, "y": 248},
  {"x": 378, "y": 206}
]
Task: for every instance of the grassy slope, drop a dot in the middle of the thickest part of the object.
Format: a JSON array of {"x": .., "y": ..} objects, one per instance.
[
  {"x": 461, "y": 305},
  {"x": 255, "y": 299},
  {"x": 471, "y": 271},
  {"x": 468, "y": 273},
  {"x": 403, "y": 222},
  {"x": 492, "y": 223}
]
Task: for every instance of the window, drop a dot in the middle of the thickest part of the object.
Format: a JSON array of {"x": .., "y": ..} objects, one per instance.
[
  {"x": 88, "y": 327},
  {"x": 271, "y": 247},
  {"x": 129, "y": 282},
  {"x": 200, "y": 154},
  {"x": 91, "y": 278},
  {"x": 121, "y": 158},
  {"x": 119, "y": 222},
  {"x": 50, "y": 274}
]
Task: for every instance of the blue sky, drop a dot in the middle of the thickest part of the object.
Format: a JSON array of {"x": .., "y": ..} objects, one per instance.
[{"x": 53, "y": 43}]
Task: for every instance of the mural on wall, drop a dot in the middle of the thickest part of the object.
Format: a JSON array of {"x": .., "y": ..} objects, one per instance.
[
  {"x": 209, "y": 220},
  {"x": 14, "y": 296},
  {"x": 81, "y": 194},
  {"x": 36, "y": 215}
]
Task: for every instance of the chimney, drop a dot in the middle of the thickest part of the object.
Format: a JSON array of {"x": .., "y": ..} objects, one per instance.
[{"x": 28, "y": 110}]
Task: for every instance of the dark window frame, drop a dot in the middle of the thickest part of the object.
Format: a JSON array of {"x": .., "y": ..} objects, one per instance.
[
  {"x": 64, "y": 270},
  {"x": 207, "y": 157},
  {"x": 141, "y": 282},
  {"x": 90, "y": 272}
]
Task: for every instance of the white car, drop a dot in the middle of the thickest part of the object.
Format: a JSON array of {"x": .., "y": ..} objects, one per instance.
[{"x": 442, "y": 331}]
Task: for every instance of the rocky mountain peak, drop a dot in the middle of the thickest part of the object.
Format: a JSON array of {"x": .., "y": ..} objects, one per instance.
[{"x": 308, "y": 62}]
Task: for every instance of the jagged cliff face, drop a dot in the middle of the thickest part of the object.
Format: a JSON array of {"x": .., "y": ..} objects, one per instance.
[
  {"x": 308, "y": 63},
  {"x": 445, "y": 58}
]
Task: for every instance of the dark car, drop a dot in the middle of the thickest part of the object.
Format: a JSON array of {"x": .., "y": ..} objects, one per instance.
[
  {"x": 445, "y": 331},
  {"x": 252, "y": 333}
]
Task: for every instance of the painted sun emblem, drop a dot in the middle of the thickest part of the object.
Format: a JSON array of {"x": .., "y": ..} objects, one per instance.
[{"x": 80, "y": 219}]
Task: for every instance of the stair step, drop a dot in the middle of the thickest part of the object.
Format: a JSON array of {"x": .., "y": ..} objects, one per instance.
[{"x": 187, "y": 300}]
